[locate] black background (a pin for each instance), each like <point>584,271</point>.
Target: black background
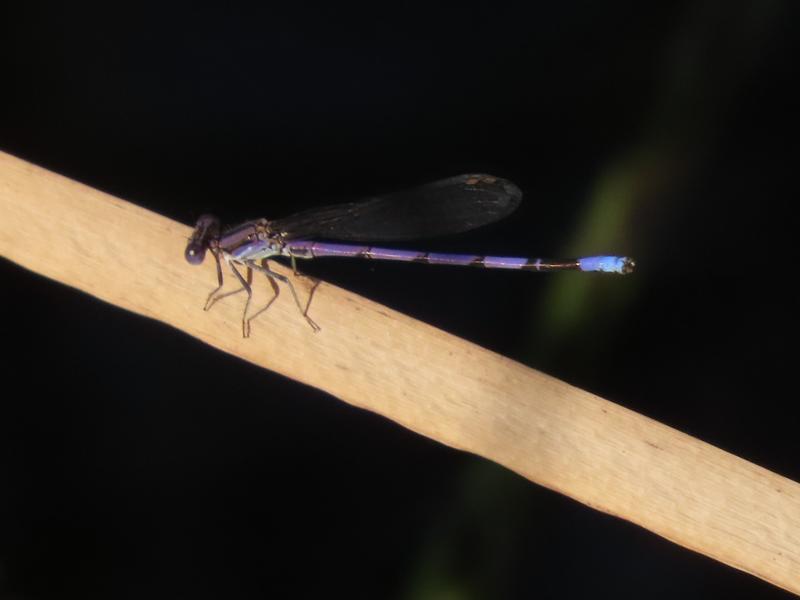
<point>137,463</point>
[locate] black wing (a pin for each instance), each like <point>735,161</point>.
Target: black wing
<point>447,206</point>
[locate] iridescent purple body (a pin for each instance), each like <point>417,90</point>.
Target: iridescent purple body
<point>447,206</point>
<point>267,248</point>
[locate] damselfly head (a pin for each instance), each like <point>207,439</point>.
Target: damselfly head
<point>205,231</point>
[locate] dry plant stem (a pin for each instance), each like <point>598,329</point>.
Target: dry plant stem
<point>556,435</point>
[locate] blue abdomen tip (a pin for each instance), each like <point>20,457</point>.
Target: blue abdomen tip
<point>607,264</point>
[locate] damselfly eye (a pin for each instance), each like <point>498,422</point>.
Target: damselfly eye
<point>205,232</point>
<point>195,253</point>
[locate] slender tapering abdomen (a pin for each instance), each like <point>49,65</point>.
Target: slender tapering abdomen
<point>311,249</point>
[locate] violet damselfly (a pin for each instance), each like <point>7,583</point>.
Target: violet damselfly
<point>448,206</point>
